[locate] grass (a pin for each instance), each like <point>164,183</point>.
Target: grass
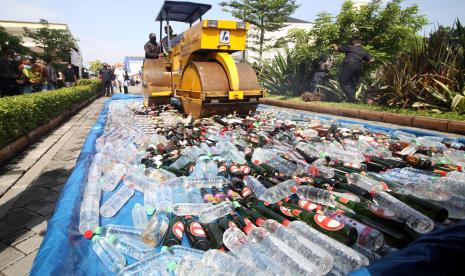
<point>445,115</point>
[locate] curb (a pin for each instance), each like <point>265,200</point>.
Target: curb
<point>12,149</point>
<point>443,125</point>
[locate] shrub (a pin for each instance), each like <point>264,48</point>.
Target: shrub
<point>21,114</point>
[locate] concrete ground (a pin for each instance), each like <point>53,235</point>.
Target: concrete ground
<point>31,184</point>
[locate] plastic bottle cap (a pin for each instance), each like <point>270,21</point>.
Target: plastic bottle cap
<point>112,239</point>
<point>236,204</point>
<point>168,209</point>
<point>294,189</point>
<point>164,248</point>
<point>150,211</point>
<point>96,238</point>
<point>88,234</point>
<point>171,266</point>
<point>98,230</point>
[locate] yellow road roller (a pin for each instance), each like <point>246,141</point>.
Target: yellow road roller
<point>199,68</point>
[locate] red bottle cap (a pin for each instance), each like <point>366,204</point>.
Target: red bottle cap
<point>88,234</point>
<point>294,189</point>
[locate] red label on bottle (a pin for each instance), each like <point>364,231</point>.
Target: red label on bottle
<point>285,211</point>
<point>197,230</point>
<point>302,179</point>
<point>245,169</point>
<point>248,221</point>
<point>178,229</point>
<point>343,200</point>
<point>222,169</point>
<point>308,205</point>
<point>246,192</point>
<point>328,223</point>
<point>232,224</point>
<point>234,169</point>
<point>381,212</point>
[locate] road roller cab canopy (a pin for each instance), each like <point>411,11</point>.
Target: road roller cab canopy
<point>182,11</point>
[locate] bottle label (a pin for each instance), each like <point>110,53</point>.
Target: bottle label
<point>232,224</point>
<point>302,179</point>
<point>247,151</point>
<point>222,169</point>
<point>245,169</point>
<point>246,192</point>
<point>178,229</point>
<point>328,223</point>
<point>343,200</point>
<point>309,206</point>
<point>197,230</point>
<point>381,212</point>
<point>248,222</point>
<point>285,211</point>
<point>234,169</point>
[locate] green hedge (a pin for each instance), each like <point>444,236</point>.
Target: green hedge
<point>23,113</point>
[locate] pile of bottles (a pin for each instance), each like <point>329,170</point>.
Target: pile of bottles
<point>271,193</point>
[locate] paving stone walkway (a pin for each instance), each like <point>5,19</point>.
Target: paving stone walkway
<point>30,186</point>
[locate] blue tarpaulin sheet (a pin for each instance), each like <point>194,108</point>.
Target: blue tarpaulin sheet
<point>64,250</point>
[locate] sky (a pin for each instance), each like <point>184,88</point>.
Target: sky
<point>109,30</point>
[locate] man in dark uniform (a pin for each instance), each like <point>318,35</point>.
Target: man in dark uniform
<point>352,67</point>
<point>105,75</point>
<point>8,74</point>
<point>152,49</point>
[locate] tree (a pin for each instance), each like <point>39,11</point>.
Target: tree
<point>95,66</point>
<point>265,15</point>
<point>9,41</point>
<point>56,43</point>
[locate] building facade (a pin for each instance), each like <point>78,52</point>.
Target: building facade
<point>17,28</point>
<point>133,64</point>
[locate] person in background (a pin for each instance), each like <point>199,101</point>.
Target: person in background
<point>113,79</point>
<point>126,81</point>
<point>52,75</point>
<point>8,74</point>
<point>165,41</point>
<point>33,76</point>
<point>151,48</point>
<point>119,75</point>
<point>69,76</point>
<point>105,77</point>
<point>352,67</point>
<point>321,67</point>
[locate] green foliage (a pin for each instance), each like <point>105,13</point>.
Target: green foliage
<point>56,43</point>
<point>430,76</point>
<point>23,113</point>
<point>95,66</point>
<point>265,15</point>
<point>9,41</point>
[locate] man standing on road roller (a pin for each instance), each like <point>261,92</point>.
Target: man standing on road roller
<point>352,67</point>
<point>164,42</point>
<point>152,49</point>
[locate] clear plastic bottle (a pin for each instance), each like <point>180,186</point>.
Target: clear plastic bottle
<point>179,193</point>
<point>317,168</point>
<point>250,252</point>
<point>163,197</point>
<point>193,195</point>
<point>229,264</point>
<point>192,209</point>
<point>153,265</point>
<point>192,266</point>
<point>133,248</point>
<point>255,186</point>
<point>188,155</point>
<point>156,228</point>
<point>139,216</point>
<point>345,258</point>
<point>430,141</point>
<point>279,191</point>
<point>182,251</point>
<point>414,219</point>
<point>206,182</point>
<point>365,183</point>
<point>283,254</point>
<point>117,201</point>
<point>111,179</point>
<point>119,231</point>
<point>315,195</point>
<point>141,183</point>
<point>214,212</point>
<point>319,256</point>
<point>150,201</point>
<point>107,253</point>
<point>89,214</point>
<point>160,175</point>
<point>455,175</point>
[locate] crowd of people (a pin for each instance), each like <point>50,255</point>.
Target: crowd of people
<point>24,75</point>
<point>113,79</point>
